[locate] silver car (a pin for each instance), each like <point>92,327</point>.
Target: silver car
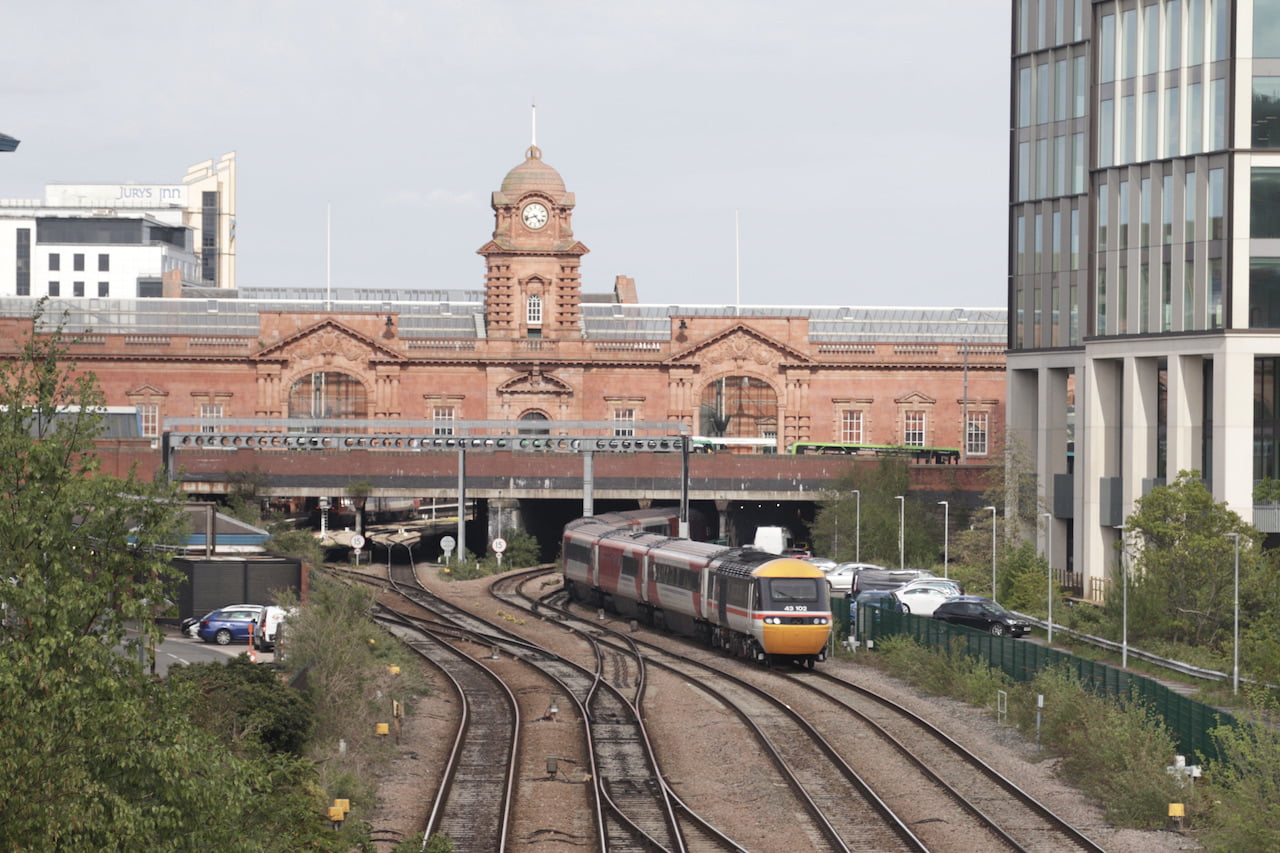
<point>840,578</point>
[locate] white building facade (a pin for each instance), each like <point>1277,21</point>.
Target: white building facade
<point>1144,254</point>
<point>122,240</point>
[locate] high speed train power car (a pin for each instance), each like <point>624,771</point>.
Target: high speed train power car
<point>751,603</point>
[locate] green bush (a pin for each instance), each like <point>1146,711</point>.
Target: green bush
<point>953,674</point>
<point>1115,751</point>
<point>245,705</point>
<point>1243,784</point>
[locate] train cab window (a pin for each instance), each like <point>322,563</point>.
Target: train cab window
<point>782,591</point>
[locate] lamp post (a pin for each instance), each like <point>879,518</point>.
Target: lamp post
<point>1124,601</point>
<point>946,535</point>
<point>857,525</point>
<point>902,515</point>
<point>993,551</point>
<point>1235,630</point>
<point>1048,558</point>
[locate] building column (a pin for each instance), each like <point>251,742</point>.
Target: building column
<point>1186,405</point>
<point>1233,429</point>
<point>1139,421</point>
<point>1098,448</point>
<point>1051,451</point>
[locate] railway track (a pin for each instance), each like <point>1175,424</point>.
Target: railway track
<point>473,804</point>
<point>985,808</point>
<point>634,808</point>
<point>1025,822</point>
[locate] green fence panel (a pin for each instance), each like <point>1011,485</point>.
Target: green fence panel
<point>1189,721</point>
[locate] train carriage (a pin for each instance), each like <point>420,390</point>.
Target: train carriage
<point>751,603</point>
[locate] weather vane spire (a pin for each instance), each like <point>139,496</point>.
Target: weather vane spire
<point>533,117</point>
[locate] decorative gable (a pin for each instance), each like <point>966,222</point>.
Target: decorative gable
<point>740,346</point>
<point>328,343</point>
<point>534,381</point>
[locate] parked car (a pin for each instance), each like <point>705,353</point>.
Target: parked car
<point>824,563</point>
<point>921,600</point>
<point>840,578</point>
<point>228,625</point>
<point>879,598</point>
<point>878,577</point>
<point>922,596</point>
<point>191,625</point>
<point>974,611</point>
<point>267,627</point>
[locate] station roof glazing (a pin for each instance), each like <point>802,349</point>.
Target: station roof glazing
<point>459,314</point>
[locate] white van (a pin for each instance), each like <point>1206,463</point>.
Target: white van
<point>267,627</point>
<point>775,540</point>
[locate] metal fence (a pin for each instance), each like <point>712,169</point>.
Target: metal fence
<point>1188,721</point>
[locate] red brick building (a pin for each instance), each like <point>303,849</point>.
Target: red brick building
<point>533,345</point>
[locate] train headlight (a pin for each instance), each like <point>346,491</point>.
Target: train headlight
<point>772,620</point>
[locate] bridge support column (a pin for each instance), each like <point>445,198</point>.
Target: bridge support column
<point>504,517</point>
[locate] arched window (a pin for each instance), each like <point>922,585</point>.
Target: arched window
<point>738,407</point>
<point>328,395</point>
<point>537,424</point>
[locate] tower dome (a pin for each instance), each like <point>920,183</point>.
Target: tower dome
<point>532,174</point>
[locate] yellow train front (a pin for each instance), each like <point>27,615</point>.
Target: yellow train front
<point>770,608</point>
<point>750,603</point>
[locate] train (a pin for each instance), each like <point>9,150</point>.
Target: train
<point>768,608</point>
<point>931,455</point>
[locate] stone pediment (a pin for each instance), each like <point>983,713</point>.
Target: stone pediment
<point>146,389</point>
<point>915,398</point>
<point>328,342</point>
<point>535,382</point>
<point>740,345</point>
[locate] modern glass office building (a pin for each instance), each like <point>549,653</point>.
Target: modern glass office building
<point>1144,258</point>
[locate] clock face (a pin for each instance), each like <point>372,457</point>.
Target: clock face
<point>534,215</point>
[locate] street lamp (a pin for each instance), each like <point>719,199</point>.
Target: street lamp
<point>946,535</point>
<point>857,525</point>
<point>993,551</point>
<point>902,553</point>
<point>1048,558</point>
<point>1235,630</point>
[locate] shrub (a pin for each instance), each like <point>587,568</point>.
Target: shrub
<point>1244,785</point>
<point>1115,751</point>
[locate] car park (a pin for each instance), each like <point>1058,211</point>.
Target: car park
<point>228,625</point>
<point>983,614</point>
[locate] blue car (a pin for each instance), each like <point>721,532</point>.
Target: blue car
<point>230,625</point>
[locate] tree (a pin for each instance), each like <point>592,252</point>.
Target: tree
<point>1182,564</point>
<point>94,754</point>
<point>834,528</point>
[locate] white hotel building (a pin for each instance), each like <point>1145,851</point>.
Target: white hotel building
<point>122,240</point>
<point>1144,290</point>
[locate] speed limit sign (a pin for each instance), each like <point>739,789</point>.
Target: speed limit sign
<point>499,545</point>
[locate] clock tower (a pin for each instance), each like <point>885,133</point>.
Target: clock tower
<point>532,285</point>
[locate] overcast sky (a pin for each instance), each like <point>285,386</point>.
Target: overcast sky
<point>863,145</point>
